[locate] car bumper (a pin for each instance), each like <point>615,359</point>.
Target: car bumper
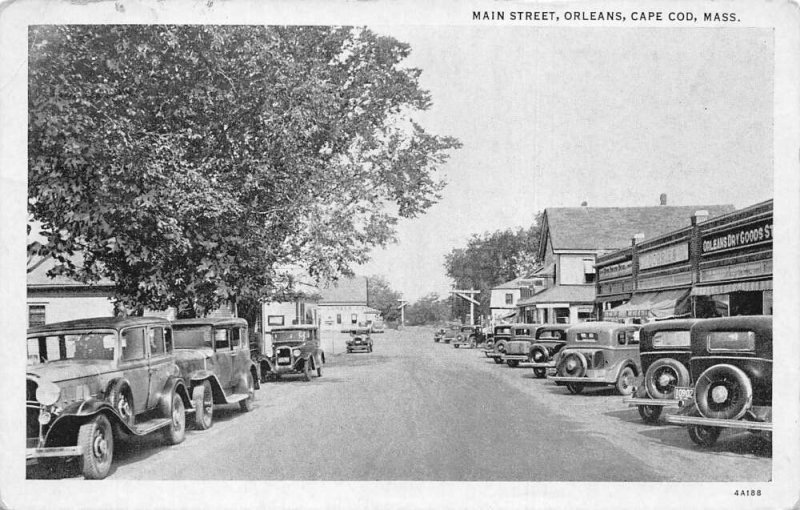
<point>515,357</point>
<point>492,354</point>
<point>546,364</point>
<point>359,347</point>
<point>589,379</point>
<point>58,451</point>
<point>662,402</point>
<point>676,419</point>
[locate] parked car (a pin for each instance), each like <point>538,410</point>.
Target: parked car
<point>295,350</point>
<point>91,382</point>
<point>451,333</point>
<point>598,354</point>
<point>664,350</point>
<point>360,340</point>
<point>502,335</point>
<point>543,352</point>
<point>517,348</point>
<point>213,355</point>
<point>467,336</point>
<point>439,335</point>
<point>731,367</point>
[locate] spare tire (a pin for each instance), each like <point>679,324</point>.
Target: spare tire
<point>723,392</point>
<point>663,376</point>
<point>538,354</point>
<point>572,364</point>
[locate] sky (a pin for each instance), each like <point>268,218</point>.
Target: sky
<point>552,117</point>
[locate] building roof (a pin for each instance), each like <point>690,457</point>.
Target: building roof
<point>516,283</point>
<point>611,228</point>
<point>562,294</point>
<point>352,291</point>
<point>38,277</point>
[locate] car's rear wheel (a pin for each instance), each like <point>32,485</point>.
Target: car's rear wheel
<point>625,381</point>
<point>203,402</point>
<point>176,412</point>
<point>572,364</point>
<point>246,405</point>
<point>575,388</point>
<point>704,436</point>
<point>650,414</point>
<point>97,441</point>
<point>540,373</point>
<point>663,376</point>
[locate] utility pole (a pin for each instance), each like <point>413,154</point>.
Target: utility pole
<point>469,296</point>
<point>402,308</point>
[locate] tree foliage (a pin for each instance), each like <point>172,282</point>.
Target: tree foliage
<point>381,296</point>
<point>490,259</point>
<point>190,163</point>
<point>429,309</point>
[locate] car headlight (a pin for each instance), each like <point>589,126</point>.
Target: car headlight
<point>296,352</point>
<point>47,393</point>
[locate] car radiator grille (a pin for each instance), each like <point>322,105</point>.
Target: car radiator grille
<point>285,352</point>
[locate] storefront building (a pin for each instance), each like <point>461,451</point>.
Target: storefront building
<point>716,267</point>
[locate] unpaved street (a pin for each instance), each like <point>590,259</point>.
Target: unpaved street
<point>416,410</point>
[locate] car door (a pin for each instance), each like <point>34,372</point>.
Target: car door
<point>222,357</point>
<point>134,365</point>
<point>240,353</point>
<point>160,362</point>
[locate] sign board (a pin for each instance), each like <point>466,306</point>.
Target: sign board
<point>672,280</point>
<point>738,237</point>
<point>734,271</point>
<point>664,256</point>
<point>614,270</point>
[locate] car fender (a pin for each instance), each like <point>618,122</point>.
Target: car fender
<point>218,393</point>
<point>63,430</point>
<point>174,384</point>
<point>627,362</point>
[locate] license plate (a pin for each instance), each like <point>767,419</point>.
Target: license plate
<point>284,360</point>
<point>684,393</point>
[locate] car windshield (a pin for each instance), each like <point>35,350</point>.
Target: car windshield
<point>551,335</point>
<point>297,335</point>
<point>666,339</point>
<point>191,337</point>
<point>522,332</point>
<point>88,345</point>
<point>502,331</point>
<point>585,337</point>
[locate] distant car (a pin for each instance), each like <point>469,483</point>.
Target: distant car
<point>467,336</point>
<point>731,367</point>
<point>543,352</point>
<point>214,357</point>
<point>503,333</point>
<point>92,382</point>
<point>518,348</point>
<point>295,350</point>
<point>439,335</point>
<point>664,350</point>
<point>451,333</point>
<point>359,341</point>
<point>599,354</point>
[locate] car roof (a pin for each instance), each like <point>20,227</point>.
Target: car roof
<point>210,321</point>
<point>672,324</point>
<point>293,327</point>
<point>99,323</point>
<point>600,326</point>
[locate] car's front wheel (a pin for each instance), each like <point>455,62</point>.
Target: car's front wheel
<point>203,402</point>
<point>176,412</point>
<point>625,381</point>
<point>246,405</point>
<point>97,442</point>
<point>540,373</point>
<point>499,361</point>
<point>575,388</point>
<point>512,363</point>
<point>650,414</point>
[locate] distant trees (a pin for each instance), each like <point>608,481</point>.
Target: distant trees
<point>430,309</point>
<point>490,259</point>
<point>188,163</point>
<point>381,296</point>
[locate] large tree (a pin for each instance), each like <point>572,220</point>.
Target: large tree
<point>381,296</point>
<point>190,163</point>
<point>429,309</point>
<point>490,259</point>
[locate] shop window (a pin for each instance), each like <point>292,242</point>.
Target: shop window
<point>561,315</point>
<point>354,318</point>
<point>338,318</point>
<point>36,315</point>
<point>767,302</point>
<point>509,298</point>
<point>746,303</point>
<point>275,320</point>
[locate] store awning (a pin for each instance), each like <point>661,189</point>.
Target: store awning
<point>614,297</point>
<point>508,315</point>
<point>732,287</point>
<point>666,303</point>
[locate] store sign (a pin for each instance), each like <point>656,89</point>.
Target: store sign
<point>659,282</point>
<point>741,236</point>
<point>621,269</point>
<point>757,268</point>
<point>664,256</point>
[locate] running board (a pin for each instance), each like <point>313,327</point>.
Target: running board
<point>663,402</point>
<point>236,397</point>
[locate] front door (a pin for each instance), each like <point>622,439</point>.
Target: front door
<point>222,357</point>
<point>134,365</point>
<point>160,363</point>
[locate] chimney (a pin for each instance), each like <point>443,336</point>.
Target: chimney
<point>663,199</point>
<point>699,216</point>
<point>638,238</point>
<point>584,203</point>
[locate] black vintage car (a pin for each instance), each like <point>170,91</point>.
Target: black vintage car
<point>517,348</point>
<point>731,367</point>
<point>664,351</point>
<point>550,339</point>
<point>359,341</point>
<point>295,350</point>
<point>502,335</point>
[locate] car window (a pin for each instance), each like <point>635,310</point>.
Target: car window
<point>221,339</point>
<point>502,331</point>
<point>192,338</point>
<point>665,339</point>
<point>235,337</point>
<point>168,339</point>
<point>552,335</point>
<point>731,341</point>
<point>522,332</point>
<point>133,344</point>
<point>586,337</point>
<point>156,336</point>
<point>94,345</point>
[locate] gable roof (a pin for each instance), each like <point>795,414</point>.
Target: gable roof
<point>38,277</point>
<point>611,228</point>
<point>345,291</point>
<point>562,294</point>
